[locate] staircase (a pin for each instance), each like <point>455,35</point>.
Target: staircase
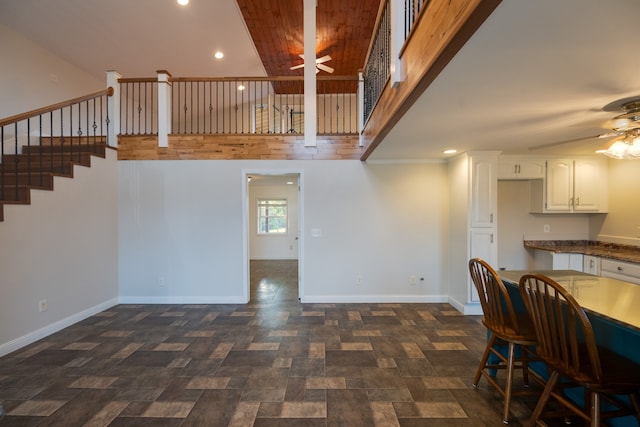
<point>36,166</point>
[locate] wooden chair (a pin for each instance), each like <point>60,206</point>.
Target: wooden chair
<point>507,328</point>
<point>566,343</point>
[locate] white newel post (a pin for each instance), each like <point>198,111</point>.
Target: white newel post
<point>397,39</point>
<point>113,108</point>
<point>360,108</point>
<point>310,102</point>
<point>164,108</point>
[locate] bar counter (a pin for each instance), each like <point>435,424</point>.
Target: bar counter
<point>603,297</point>
<point>613,307</point>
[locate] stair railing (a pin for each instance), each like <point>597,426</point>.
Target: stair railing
<point>60,128</point>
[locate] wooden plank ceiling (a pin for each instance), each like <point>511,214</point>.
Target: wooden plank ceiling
<point>344,28</point>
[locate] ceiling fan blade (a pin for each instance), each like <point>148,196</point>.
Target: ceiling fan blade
<point>323,59</point>
<point>566,141</point>
<point>295,67</point>
<point>325,68</point>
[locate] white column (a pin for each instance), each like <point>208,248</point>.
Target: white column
<point>164,108</point>
<point>360,107</point>
<point>397,40</point>
<point>113,108</point>
<point>310,102</point>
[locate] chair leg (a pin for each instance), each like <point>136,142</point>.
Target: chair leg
<point>509,382</point>
<point>483,361</point>
<point>595,409</point>
<point>636,404</point>
<point>525,365</point>
<point>544,398</point>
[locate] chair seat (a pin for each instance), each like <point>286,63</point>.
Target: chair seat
<point>525,335</point>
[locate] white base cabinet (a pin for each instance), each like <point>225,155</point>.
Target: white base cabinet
<point>591,265</point>
<point>547,260</point>
<point>620,270</point>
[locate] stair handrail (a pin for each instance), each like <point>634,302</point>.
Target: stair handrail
<point>43,110</point>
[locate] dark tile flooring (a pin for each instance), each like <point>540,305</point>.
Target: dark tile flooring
<point>272,362</point>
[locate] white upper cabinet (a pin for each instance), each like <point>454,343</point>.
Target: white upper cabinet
<point>520,167</point>
<point>484,191</point>
<point>571,186</point>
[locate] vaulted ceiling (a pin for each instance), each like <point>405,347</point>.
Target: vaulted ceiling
<point>535,75</point>
<point>343,31</point>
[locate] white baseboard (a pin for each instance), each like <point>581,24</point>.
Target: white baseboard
<point>181,300</point>
<point>372,299</point>
<point>468,309</point>
<point>34,336</point>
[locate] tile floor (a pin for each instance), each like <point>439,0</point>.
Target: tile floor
<point>272,362</point>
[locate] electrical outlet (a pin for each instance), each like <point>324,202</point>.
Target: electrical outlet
<point>413,280</point>
<point>161,282</point>
<point>547,228</point>
<point>358,280</point>
<point>42,305</point>
<point>638,231</point>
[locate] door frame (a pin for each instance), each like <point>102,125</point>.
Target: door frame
<point>246,293</point>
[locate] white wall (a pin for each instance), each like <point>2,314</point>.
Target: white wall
<point>182,221</point>
<point>621,224</point>
<point>515,223</point>
<point>28,72</point>
<point>62,248</point>
<point>264,246</point>
<point>458,169</point>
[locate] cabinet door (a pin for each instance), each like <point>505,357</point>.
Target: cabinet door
<point>559,185</point>
<point>591,265</point>
<point>531,169</point>
<point>568,261</point>
<point>586,185</point>
<point>507,169</point>
<point>482,245</point>
<point>484,188</point>
<point>520,168</point>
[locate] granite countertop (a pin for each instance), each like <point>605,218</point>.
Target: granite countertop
<point>614,251</point>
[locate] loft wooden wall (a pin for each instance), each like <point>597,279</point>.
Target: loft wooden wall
<point>238,147</point>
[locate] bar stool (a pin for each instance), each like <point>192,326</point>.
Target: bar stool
<point>507,328</point>
<point>566,343</point>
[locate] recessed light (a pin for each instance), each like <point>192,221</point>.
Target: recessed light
<point>183,2</point>
<point>240,87</point>
<point>218,55</point>
<point>450,151</point>
<point>289,182</point>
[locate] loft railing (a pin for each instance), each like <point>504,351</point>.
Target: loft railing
<point>60,128</point>
<point>412,10</point>
<point>394,25</point>
<point>257,105</point>
<point>378,65</point>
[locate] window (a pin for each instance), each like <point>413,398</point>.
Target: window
<point>272,216</point>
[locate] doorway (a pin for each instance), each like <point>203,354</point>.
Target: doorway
<point>272,224</point>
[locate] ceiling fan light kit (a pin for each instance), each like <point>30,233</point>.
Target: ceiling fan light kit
<point>626,148</point>
<point>628,125</point>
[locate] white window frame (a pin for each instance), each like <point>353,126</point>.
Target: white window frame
<point>261,203</point>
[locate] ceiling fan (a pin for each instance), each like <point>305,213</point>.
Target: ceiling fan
<point>625,128</point>
<point>319,64</point>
